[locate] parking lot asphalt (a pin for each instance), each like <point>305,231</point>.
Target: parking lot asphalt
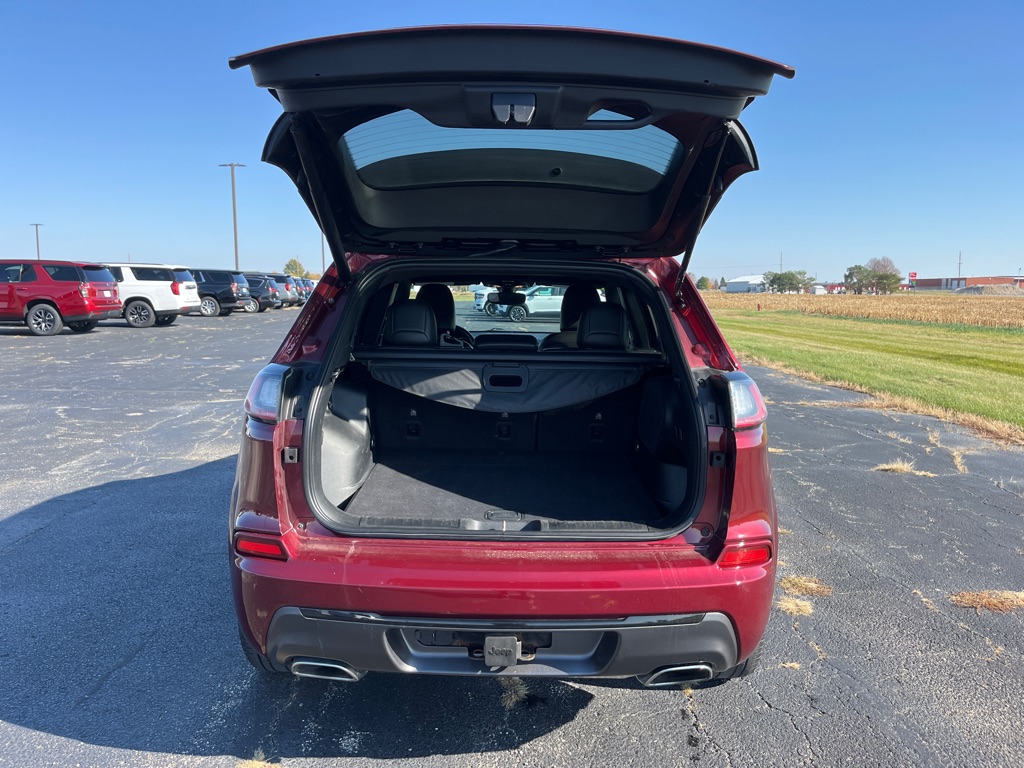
<point>117,633</point>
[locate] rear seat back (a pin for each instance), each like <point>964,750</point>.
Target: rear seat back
<point>410,324</point>
<point>603,326</point>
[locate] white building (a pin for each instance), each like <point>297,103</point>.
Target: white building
<point>745,284</point>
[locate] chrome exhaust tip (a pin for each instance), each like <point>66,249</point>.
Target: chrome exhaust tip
<point>669,676</point>
<point>322,669</point>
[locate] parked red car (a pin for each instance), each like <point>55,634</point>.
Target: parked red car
<point>48,295</point>
<point>591,501</point>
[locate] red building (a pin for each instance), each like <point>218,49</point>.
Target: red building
<point>953,283</point>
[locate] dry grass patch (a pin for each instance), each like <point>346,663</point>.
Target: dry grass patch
<point>898,438</point>
<point>790,665</point>
<point>927,601</point>
<point>259,760</point>
<point>997,601</point>
<point>958,460</point>
<point>902,467</point>
<point>808,586</point>
<point>795,606</point>
<point>784,531</point>
<point>998,431</point>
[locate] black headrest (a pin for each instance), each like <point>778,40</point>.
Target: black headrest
<point>410,324</point>
<point>574,301</point>
<point>603,327</point>
<point>440,299</point>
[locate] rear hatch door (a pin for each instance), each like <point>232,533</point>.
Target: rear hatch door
<point>101,287</point>
<point>532,140</point>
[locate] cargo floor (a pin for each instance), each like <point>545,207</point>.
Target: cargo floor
<point>450,487</point>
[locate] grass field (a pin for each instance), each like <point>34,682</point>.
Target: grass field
<point>964,372</point>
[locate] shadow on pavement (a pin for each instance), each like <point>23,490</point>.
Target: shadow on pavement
<point>117,630</point>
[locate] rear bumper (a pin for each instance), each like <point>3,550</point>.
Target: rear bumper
<point>100,314</point>
<point>551,648</point>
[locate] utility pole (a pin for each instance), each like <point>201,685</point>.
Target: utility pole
<point>234,204</point>
<point>37,226</point>
<point>960,264</point>
<point>780,262</point>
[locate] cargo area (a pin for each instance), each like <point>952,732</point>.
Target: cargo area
<point>393,459</point>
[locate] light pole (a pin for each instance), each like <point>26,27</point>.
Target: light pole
<point>234,204</point>
<point>37,226</point>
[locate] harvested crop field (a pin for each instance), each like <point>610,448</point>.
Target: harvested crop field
<point>948,309</point>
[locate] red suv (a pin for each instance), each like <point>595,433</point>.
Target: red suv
<point>590,498</point>
<point>48,295</point>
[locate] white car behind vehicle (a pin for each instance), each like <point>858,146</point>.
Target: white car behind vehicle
<point>154,294</point>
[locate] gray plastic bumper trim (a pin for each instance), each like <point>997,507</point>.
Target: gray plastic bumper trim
<point>578,648</point>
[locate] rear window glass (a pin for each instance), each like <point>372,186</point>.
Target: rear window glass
<point>406,133</point>
<point>68,274</point>
<point>183,276</point>
<point>153,274</point>
<point>239,279</point>
<point>97,275</point>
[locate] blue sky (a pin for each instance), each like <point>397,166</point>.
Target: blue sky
<point>901,136</point>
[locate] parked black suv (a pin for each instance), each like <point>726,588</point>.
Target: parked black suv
<point>264,293</point>
<point>289,291</point>
<point>220,291</point>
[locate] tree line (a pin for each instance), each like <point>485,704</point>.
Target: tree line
<point>878,275</point>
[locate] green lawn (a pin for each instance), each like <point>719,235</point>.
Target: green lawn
<point>970,370</point>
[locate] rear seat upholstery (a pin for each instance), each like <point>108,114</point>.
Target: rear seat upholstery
<point>410,324</point>
<point>603,326</point>
<point>577,298</point>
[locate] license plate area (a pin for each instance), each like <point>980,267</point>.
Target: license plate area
<point>494,650</point>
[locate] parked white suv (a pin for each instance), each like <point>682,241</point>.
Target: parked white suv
<point>155,294</point>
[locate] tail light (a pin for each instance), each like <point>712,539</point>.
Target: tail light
<point>83,290</point>
<point>234,288</point>
<point>176,288</point>
<point>264,398</point>
<point>745,402</point>
<point>260,546</point>
<point>737,557</point>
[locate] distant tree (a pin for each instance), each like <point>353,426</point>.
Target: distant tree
<point>887,282</point>
<point>885,275</point>
<point>703,283</point>
<point>858,279</point>
<point>294,267</point>
<point>787,282</point>
<point>721,284</point>
<point>884,264</point>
